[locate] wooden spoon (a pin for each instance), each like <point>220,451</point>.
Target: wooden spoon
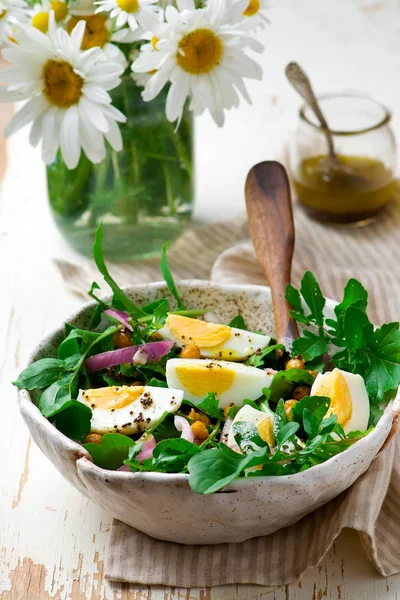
<point>269,210</point>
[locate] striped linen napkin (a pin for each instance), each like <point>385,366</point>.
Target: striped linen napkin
<point>372,505</point>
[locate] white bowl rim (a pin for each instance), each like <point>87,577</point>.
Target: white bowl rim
<point>151,476</point>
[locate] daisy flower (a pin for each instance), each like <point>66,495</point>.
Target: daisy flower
<point>254,13</point>
<point>12,12</point>
<point>203,55</point>
<point>41,13</point>
<point>69,105</point>
<point>130,12</point>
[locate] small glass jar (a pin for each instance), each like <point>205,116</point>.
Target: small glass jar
<point>363,183</point>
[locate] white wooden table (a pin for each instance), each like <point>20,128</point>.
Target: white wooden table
<point>52,540</point>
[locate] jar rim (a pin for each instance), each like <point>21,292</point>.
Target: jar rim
<point>387,115</point>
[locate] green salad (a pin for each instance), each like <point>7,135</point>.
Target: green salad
<point>171,389</point>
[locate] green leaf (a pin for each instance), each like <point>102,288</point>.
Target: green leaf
<point>286,432</point>
<point>318,405</point>
<point>210,406</point>
<point>126,302</point>
<point>358,329</point>
<point>76,340</point>
<point>313,297</point>
<point>293,297</point>
<point>74,420</point>
<point>41,374</point>
<point>284,382</point>
<point>171,456</point>
<point>310,347</point>
<point>310,423</point>
<point>259,359</point>
<point>154,382</point>
<point>169,280</point>
<point>354,295</point>
<point>112,452</point>
<point>238,322</point>
<point>55,397</point>
<point>383,373</point>
<point>213,469</point>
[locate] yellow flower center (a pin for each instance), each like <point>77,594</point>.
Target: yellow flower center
<point>199,52</point>
<point>60,10</point>
<point>129,6</point>
<point>41,21</point>
<point>96,32</point>
<point>3,13</point>
<point>253,8</point>
<point>154,41</point>
<point>62,86</point>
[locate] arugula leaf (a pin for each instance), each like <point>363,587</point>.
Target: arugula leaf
<point>284,382</point>
<point>169,456</point>
<point>112,452</point>
<point>310,423</point>
<point>154,382</point>
<point>358,328</point>
<point>126,302</point>
<point>311,292</point>
<point>311,346</point>
<point>210,406</point>
<point>258,359</point>
<point>294,299</point>
<point>213,469</point>
<point>238,322</point>
<point>383,373</point>
<point>286,432</point>
<point>169,280</point>
<point>76,340</point>
<point>40,374</point>
<point>317,405</point>
<point>354,295</point>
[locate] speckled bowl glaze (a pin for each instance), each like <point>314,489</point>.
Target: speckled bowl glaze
<point>164,506</point>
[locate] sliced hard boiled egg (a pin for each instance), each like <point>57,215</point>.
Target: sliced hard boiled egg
<point>129,409</point>
<point>263,421</point>
<point>213,341</point>
<point>230,382</point>
<point>349,398</point>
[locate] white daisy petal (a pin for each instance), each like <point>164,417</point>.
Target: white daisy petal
<point>69,137</point>
<point>26,114</point>
<point>113,136</point>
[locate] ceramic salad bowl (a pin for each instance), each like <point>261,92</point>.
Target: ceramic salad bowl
<point>163,505</point>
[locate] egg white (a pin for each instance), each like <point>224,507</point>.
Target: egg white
<point>248,414</point>
<point>239,346</point>
<point>139,415</point>
<point>248,382</point>
<point>359,400</point>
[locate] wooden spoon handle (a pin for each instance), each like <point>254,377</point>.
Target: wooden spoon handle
<point>269,211</point>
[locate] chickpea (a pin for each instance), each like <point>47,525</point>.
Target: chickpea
<point>200,431</point>
<point>289,405</point>
<point>301,391</point>
<point>123,339</point>
<point>313,373</point>
<point>295,363</point>
<point>94,438</point>
<point>195,416</point>
<point>190,351</point>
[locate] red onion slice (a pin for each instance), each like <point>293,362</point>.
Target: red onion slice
<point>120,316</point>
<point>124,468</point>
<point>147,449</point>
<point>182,425</point>
<point>154,351</point>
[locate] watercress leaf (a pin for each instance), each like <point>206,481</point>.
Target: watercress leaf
<point>154,382</point>
<point>286,432</point>
<point>213,469</point>
<point>238,322</point>
<point>338,429</point>
<point>247,437</point>
<point>284,382</point>
<point>328,425</point>
<point>318,405</point>
<point>310,347</point>
<point>259,358</point>
<point>74,420</point>
<point>313,444</point>
<point>123,299</point>
<point>313,297</point>
<point>112,452</point>
<point>159,317</point>
<point>41,374</point>
<point>169,280</point>
<point>172,455</point>
<point>280,414</point>
<point>210,406</point>
<point>167,429</point>
<point>293,297</point>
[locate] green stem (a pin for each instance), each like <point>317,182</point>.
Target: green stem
<point>212,435</point>
<point>181,148</point>
<point>115,164</point>
<point>168,189</point>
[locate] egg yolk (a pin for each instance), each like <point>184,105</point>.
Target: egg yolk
<point>201,380</point>
<point>334,386</point>
<point>204,335</point>
<point>265,431</point>
<point>112,398</point>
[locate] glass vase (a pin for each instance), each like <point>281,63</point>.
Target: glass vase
<point>143,195</point>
